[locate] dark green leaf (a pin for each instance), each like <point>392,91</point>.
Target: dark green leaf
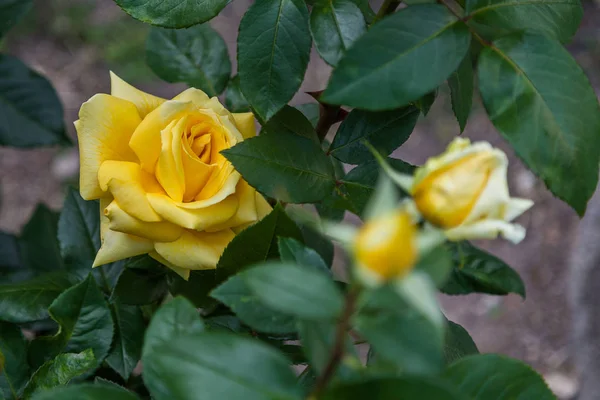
<point>218,366</point>
<point>59,371</point>
<point>257,242</point>
<point>173,320</point>
<point>141,286</point>
<point>546,110</point>
<point>38,243</point>
<point>14,370</point>
<point>10,257</point>
<point>12,11</point>
<point>476,271</point>
<point>495,377</point>
<point>197,288</point>
<point>226,323</point>
<point>559,19</point>
<point>293,251</point>
<point>458,343</point>
<point>461,91</point>
<point>298,170</point>
<point>236,295</point>
<point>29,301</point>
<point>424,103</point>
<point>400,336</point>
<point>386,131</point>
<point>85,322</point>
<point>289,120</point>
<point>234,98</point>
<point>335,25</point>
<point>286,287</point>
<point>437,263</point>
<point>407,388</point>
<point>172,13</point>
<point>311,111</point>
<point>129,334</point>
<point>359,184</point>
<point>196,56</point>
<point>317,241</point>
<point>30,109</point>
<point>273,52</point>
<point>87,391</point>
<point>400,59</point>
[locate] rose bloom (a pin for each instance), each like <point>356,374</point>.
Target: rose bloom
<point>164,188</point>
<point>385,247</point>
<point>464,191</point>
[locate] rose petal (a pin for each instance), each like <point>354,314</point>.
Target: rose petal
<point>182,272</point>
<point>245,124</point>
<point>117,246</point>
<point>121,221</point>
<point>246,212</point>
<point>195,250</point>
<point>169,170</point>
<point>144,102</point>
<point>488,229</point>
<point>104,128</point>
<point>126,182</point>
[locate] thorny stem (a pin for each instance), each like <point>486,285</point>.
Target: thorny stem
<point>329,116</point>
<point>337,352</point>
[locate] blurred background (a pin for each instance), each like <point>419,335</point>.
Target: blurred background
<point>74,43</point>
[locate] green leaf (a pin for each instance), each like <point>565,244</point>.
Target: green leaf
<point>39,246</point>
<point>293,251</point>
<point>359,184</point>
<point>127,344</point>
<point>317,241</point>
<point>335,25</point>
<point>59,371</point>
<point>86,391</point>
<point>140,286</point>
<point>85,323</point>
<point>495,377</point>
<point>385,130</point>
<point>197,288</point>
<point>461,91</point>
<point>273,52</point>
<point>457,343</point>
<point>400,335</point>
<point>289,120</point>
<point>548,112</point>
<point>425,38</point>
<point>257,242</point>
<point>218,366</point>
<point>236,295</point>
<point>11,11</point>
<point>172,13</point>
<point>196,56</point>
<point>557,19</point>
<point>304,292</point>
<point>406,388</point>
<point>318,341</point>
<point>29,301</point>
<point>311,111</point>
<point>437,263</point>
<point>32,114</point>
<point>234,98</point>
<point>10,256</point>
<point>298,170</point>
<point>172,321</point>
<point>79,236</point>
<point>476,271</point>
<point>14,370</point>
<point>424,103</point>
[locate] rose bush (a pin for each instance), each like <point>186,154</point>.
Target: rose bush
<point>164,188</point>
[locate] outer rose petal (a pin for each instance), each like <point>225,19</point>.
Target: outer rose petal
<point>196,96</point>
<point>117,246</point>
<point>145,141</point>
<point>195,250</point>
<point>199,218</point>
<point>104,221</point>
<point>182,272</point>
<point>105,126</point>
<point>488,229</point>
<point>246,212</point>
<point>125,181</point>
<point>120,221</point>
<point>144,102</point>
<point>262,207</point>
<point>245,124</point>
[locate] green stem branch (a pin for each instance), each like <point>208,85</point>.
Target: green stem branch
<point>387,7</point>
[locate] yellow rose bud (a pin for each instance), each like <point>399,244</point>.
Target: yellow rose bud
<point>464,191</point>
<point>385,247</point>
<point>164,187</point>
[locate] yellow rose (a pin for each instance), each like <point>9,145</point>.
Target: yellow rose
<point>386,247</point>
<point>464,191</point>
<point>164,187</point>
